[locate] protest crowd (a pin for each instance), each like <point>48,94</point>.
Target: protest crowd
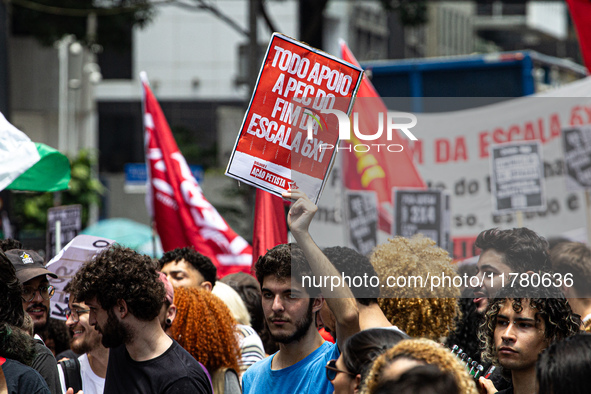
<point>215,315</point>
<point>136,325</point>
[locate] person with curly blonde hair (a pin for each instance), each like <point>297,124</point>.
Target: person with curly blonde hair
<point>404,266</point>
<point>204,326</point>
<point>411,353</point>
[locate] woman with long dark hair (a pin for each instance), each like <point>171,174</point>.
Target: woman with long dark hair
<point>349,370</point>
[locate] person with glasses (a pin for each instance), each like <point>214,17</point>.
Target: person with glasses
<point>16,345</point>
<point>88,371</point>
<point>31,272</point>
<point>348,372</point>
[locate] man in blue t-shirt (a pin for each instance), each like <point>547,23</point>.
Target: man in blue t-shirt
<point>290,309</point>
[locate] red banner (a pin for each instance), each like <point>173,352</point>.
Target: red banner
<point>580,12</point>
<point>273,151</point>
<point>379,169</point>
<point>182,215</point>
<point>270,227</point>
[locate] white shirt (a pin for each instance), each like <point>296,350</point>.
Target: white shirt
<point>91,383</point>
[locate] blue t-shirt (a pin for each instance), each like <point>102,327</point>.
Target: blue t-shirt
<point>306,376</point>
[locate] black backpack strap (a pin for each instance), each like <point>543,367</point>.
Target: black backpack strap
<point>72,376</point>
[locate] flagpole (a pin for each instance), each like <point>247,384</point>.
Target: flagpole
<point>153,238</point>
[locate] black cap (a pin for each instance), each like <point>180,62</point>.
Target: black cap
<point>27,264</point>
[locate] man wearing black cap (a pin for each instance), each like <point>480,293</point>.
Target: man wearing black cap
<point>31,272</point>
<point>14,376</point>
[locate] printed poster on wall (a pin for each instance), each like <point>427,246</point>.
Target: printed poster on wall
<point>517,177</point>
<point>576,144</point>
<point>273,150</point>
<point>362,220</point>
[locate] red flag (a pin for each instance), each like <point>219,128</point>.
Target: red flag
<point>270,228</point>
<point>580,11</point>
<point>378,169</point>
<point>182,215</point>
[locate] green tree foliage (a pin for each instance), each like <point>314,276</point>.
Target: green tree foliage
<point>50,20</point>
<point>30,209</point>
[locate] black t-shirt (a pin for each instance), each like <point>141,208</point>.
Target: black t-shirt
<point>21,379</point>
<point>45,364</point>
<point>175,371</point>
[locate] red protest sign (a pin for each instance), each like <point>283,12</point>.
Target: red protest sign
<point>283,142</point>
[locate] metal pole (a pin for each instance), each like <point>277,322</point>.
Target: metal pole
<point>4,75</point>
<point>253,58</point>
<point>63,57</point>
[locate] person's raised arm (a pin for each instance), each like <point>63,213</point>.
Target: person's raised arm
<point>340,299</point>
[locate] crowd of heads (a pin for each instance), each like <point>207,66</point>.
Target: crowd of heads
<point>516,328</point>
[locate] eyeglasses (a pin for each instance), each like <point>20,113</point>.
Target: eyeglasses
<point>46,292</point>
<point>74,314</point>
<point>332,370</point>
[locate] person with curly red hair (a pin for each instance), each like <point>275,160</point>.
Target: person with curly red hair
<point>204,326</point>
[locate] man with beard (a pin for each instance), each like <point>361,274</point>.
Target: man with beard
<point>290,308</point>
<point>31,272</point>
<point>88,370</point>
<point>15,344</point>
<point>519,324</point>
<point>124,296</point>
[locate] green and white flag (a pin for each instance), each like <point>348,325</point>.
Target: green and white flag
<point>28,165</point>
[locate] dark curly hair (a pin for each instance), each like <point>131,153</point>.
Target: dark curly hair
<point>522,249</point>
<point>204,326</point>
<point>200,262</point>
<point>120,273</point>
<point>11,307</point>
<point>551,307</point>
<point>9,244</point>
<point>466,332</point>
<point>285,261</point>
<point>351,263</point>
<point>16,344</point>
<point>56,336</point>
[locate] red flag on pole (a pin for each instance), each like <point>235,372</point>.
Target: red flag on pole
<point>270,228</point>
<point>580,12</point>
<point>379,170</point>
<point>182,215</point>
